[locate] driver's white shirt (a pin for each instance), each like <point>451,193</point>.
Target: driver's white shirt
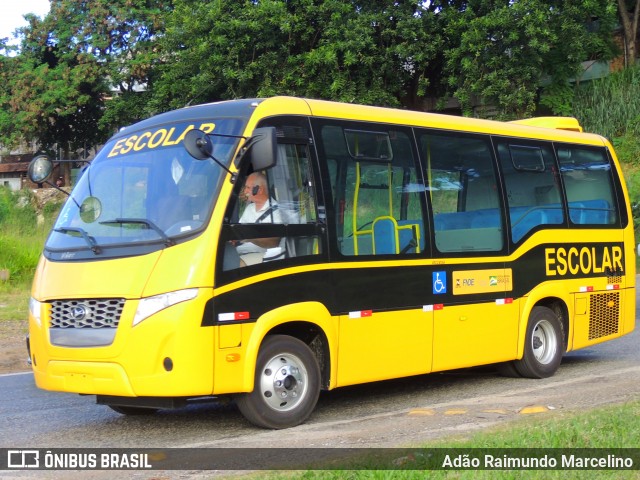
<point>251,215</point>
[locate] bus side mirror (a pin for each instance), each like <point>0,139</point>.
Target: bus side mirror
<point>263,148</point>
<point>198,144</point>
<point>40,169</point>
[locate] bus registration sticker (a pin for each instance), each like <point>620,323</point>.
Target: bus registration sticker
<point>482,281</point>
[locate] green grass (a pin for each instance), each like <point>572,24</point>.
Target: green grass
<point>611,427</point>
<point>23,229</point>
<point>14,303</point>
<point>610,106</point>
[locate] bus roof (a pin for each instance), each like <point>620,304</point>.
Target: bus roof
<point>530,128</point>
<point>555,128</point>
<point>242,109</point>
<point>560,123</point>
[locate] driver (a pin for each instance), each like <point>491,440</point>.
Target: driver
<point>261,208</point>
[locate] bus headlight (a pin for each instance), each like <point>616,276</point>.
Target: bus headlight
<point>150,305</point>
<point>35,308</point>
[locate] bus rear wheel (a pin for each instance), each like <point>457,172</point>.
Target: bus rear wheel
<point>287,384</point>
<point>544,345</point>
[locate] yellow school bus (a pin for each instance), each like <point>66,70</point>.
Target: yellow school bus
<point>268,249</point>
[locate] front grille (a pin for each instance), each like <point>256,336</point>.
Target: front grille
<point>86,313</point>
<point>604,314</point>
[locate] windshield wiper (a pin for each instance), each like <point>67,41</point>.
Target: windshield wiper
<point>95,248</point>
<point>141,221</point>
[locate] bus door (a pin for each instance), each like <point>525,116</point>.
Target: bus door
<point>475,316</point>
<point>378,220</point>
<point>273,215</point>
<point>272,223</point>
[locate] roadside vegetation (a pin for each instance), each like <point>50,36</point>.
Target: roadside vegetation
<point>23,230</point>
<point>608,428</point>
<point>611,107</point>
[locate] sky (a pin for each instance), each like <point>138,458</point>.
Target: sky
<point>12,11</point>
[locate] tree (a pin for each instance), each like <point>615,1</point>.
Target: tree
<point>372,52</point>
<point>629,18</point>
<point>56,97</point>
<point>502,49</point>
<point>70,63</point>
<point>121,35</point>
<point>90,67</point>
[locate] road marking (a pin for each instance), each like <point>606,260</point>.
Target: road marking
<point>455,411</point>
<point>426,412</point>
<point>533,409</point>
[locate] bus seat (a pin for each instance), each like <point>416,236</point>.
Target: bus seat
<point>525,219</point>
<point>590,212</point>
<point>385,236</point>
<point>411,236</point>
<point>448,221</point>
<point>489,218</point>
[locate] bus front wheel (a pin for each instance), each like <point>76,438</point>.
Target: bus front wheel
<point>287,384</point>
<point>544,345</point>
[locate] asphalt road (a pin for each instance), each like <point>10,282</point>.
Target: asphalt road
<point>400,412</point>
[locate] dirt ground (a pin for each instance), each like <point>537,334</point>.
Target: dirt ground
<point>13,350</point>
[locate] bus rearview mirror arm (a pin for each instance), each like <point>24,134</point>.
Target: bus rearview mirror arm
<point>40,169</point>
<point>199,146</point>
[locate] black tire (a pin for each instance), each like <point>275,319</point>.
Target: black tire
<point>287,384</point>
<point>133,410</point>
<point>508,369</point>
<point>544,345</point>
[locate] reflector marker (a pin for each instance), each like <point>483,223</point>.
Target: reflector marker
<point>360,313</point>
<point>586,289</point>
<point>230,316</point>
<point>431,308</point>
<point>613,287</point>
<point>504,301</point>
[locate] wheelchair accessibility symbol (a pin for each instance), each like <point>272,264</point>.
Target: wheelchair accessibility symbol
<point>439,282</point>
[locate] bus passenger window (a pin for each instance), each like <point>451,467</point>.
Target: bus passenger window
<point>586,173</point>
<point>377,194</point>
<point>462,186</point>
<point>533,187</point>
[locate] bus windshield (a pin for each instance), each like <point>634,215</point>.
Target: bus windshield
<point>143,192</point>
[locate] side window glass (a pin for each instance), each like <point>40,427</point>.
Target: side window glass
<point>377,193</point>
<point>532,185</point>
<point>461,181</point>
<point>586,173</point>
<point>276,213</point>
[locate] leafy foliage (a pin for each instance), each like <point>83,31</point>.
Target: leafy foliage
<point>506,48</point>
<point>90,67</point>
<point>611,106</point>
<point>364,52</point>
<point>70,63</point>
<point>21,236</point>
